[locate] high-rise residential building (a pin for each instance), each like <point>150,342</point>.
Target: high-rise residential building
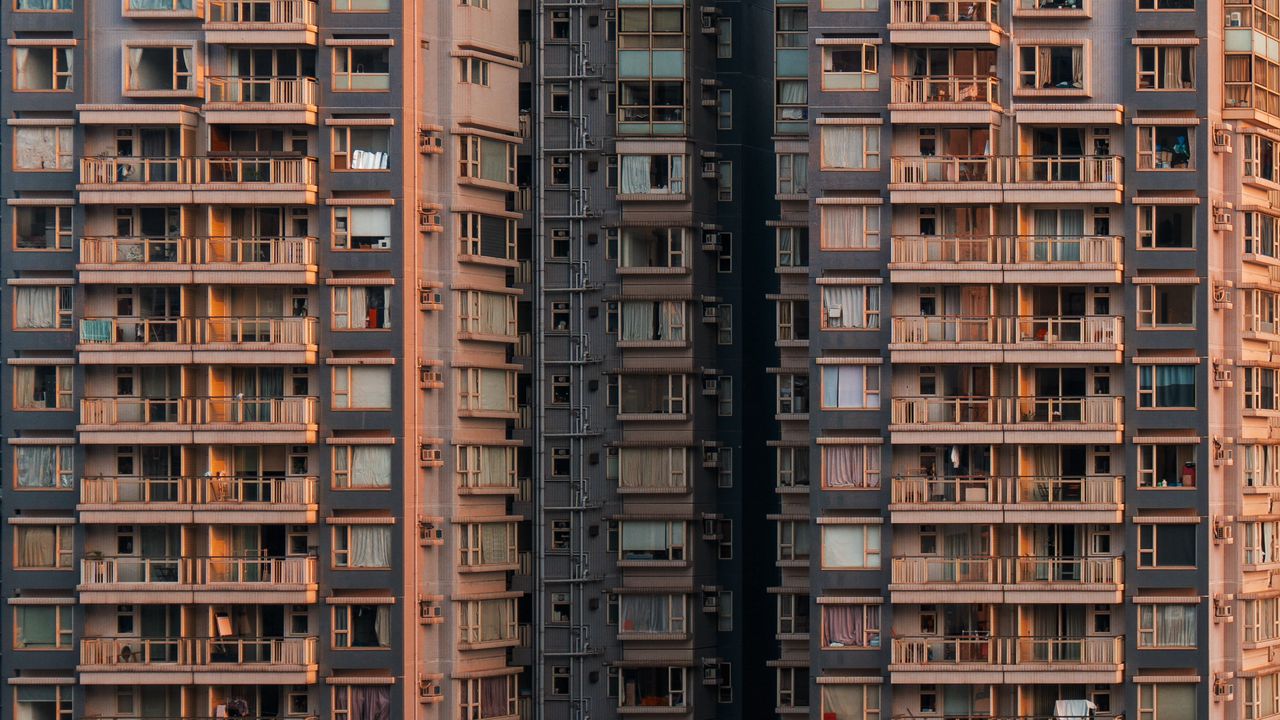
<point>581,359</point>
<point>258,337</point>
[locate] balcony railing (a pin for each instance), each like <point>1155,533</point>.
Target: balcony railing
<point>987,410</point>
<point>921,11</point>
<point>198,410</point>
<point>986,650</point>
<point>256,12</point>
<point>1016,331</point>
<point>1050,491</point>
<point>265,251</point>
<point>198,331</point>
<point>1008,250</point>
<point>142,653</point>
<point>946,89</point>
<point>254,170</point>
<point>216,489</point>
<point>1026,570</point>
<point>261,90</point>
<point>198,571</point>
<point>1001,169</point>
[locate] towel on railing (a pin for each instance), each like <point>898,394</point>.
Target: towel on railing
<point>1073,709</point>
<point>95,331</point>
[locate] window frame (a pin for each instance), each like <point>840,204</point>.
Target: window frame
<point>1151,61</point>
<point>59,55</point>
<point>63,134</point>
<point>872,545</point>
<point>1149,542</point>
<point>63,624</point>
<point>344,55</point>
<point>63,227</point>
<point>865,79</point>
<point>63,550</point>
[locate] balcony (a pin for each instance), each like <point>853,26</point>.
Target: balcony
<point>979,658</point>
<point>989,579</point>
<point>966,99</point>
<point>197,661</point>
<point>185,580</point>
<point>232,99</point>
<point>1052,9</point>
<point>936,338</point>
<point>228,180</point>
<point>1096,419</point>
<point>199,500</point>
<point>260,22</point>
<point>945,22</point>
<point>1024,499</point>
<point>1007,178</point>
<point>1008,259</point>
<point>199,420</point>
<point>197,340</point>
<point>198,260</point>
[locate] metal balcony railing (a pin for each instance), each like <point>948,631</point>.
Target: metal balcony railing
<point>198,250</point>
<point>1005,169</point>
<point>261,90</point>
<point>198,570</point>
<point>1050,491</point>
<point>1017,330</point>
<point>110,331</point>
<point>946,89</point>
<point>928,11</point>
<point>257,12</point>
<point>146,653</point>
<point>198,410</point>
<point>1017,249</point>
<point>986,410</point>
<point>979,649</point>
<point>1025,570</point>
<point>253,170</point>
<point>213,489</point>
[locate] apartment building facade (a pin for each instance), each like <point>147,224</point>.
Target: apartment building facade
<point>260,317</point>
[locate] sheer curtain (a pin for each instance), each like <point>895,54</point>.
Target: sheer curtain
<point>370,546</point>
<point>24,388</point>
<point>382,625</point>
<point>493,620</point>
<point>36,547</point>
<point>493,160</point>
<point>1172,67</point>
<point>1175,625</point>
<point>494,547</point>
<point>494,693</point>
<point>37,465</point>
<point>637,320</point>
<point>36,307</point>
<point>842,147</point>
<point>1077,67</point>
<point>644,467</point>
<point>370,702</point>
<point>845,545</point>
<point>643,613</point>
<point>843,227</point>
<point>493,314</point>
<point>842,626</point>
<point>843,466</point>
<point>371,466</point>
<point>845,702</point>
<point>633,174</point>
<point>848,301</point>
<point>494,470</point>
<point>493,390</point>
<point>370,387</point>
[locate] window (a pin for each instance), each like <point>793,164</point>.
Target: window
<point>487,390</point>
<point>42,69</point>
<point>850,702</point>
<point>792,174</point>
<point>1261,696</point>
<point>44,467</point>
<point>724,181</point>
<point>361,228</point>
<point>487,697</point>
<point>793,467</point>
<point>42,387</point>
<point>42,307</point>
<point>43,702</point>
<point>652,321</point>
<point>850,147</point>
<point>360,388</point>
<point>1166,386</point>
<point>793,687</point>
<point>1261,465</point>
<point>850,627</point>
<point>1260,388</point>
<point>42,227</point>
<point>486,466</point>
<point>560,170</point>
<point>1167,67</point>
<point>560,101</point>
<point>644,614</point>
<point>1261,619</point>
<point>846,5</point>
<point>1167,701</point>
<point>153,6</point>
<point>361,68</point>
<point>1165,546</point>
<point>358,467</point>
<point>42,547</point>
<point>850,467</point>
<point>486,313</point>
<point>1166,147</point>
<point>792,247</point>
<point>792,393</point>
<point>1167,626</point>
<point>488,544</point>
<point>46,147</point>
<point>651,687</point>
<point>44,5</point>
<point>361,148</point>
<point>560,680</point>
<point>488,236</point>
<point>473,71</point>
<point>724,38</point>
<point>488,621</point>
<point>487,159</point>
<point>850,67</point>
<point>353,702</point>
<point>361,626</point>
<point>850,307</point>
<point>651,540</point>
<point>653,394</point>
<point>1166,306</point>
<point>1166,466</point>
<point>724,252</point>
<point>651,105</point>
<point>724,109</point>
<point>1166,227</point>
<point>362,5</point>
<point>793,541</point>
<point>1261,158</point>
<point>638,469</point>
<point>651,247</point>
<point>42,627</point>
<point>793,321</point>
<point>361,307</point>
<point>651,175</point>
<point>724,324</point>
<point>1051,67</point>
<point>793,614</point>
<point>850,227</point>
<point>1166,4</point>
<point>791,109</point>
<point>160,70</point>
<point>850,547</point>
<point>850,387</point>
<point>362,546</point>
<point>1261,311</point>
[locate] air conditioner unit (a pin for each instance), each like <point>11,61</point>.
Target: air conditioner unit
<point>1221,215</point>
<point>1223,531</point>
<point>711,457</point>
<point>1223,609</point>
<point>431,610</point>
<point>1223,691</point>
<point>835,313</point>
<point>710,671</point>
<point>429,689</point>
<point>710,599</point>
<point>431,531</point>
<point>383,244</point>
<point>710,314</point>
<point>711,528</point>
<point>710,386</point>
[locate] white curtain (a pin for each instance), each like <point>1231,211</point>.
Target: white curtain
<point>382,625</point>
<point>845,386</point>
<point>849,147</point>
<point>370,546</point>
<point>36,307</point>
<point>1175,625</point>
<point>850,227</point>
<point>851,546</point>
<point>37,466</point>
<point>634,172</point>
<point>847,301</point>
<point>851,466</point>
<point>494,469</point>
<point>371,466</point>
<point>644,613</point>
<point>793,92</point>
<point>637,320</point>
<point>370,387</point>
<point>358,307</point>
<point>493,160</point>
<point>371,222</point>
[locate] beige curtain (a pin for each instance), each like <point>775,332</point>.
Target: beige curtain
<point>37,546</point>
<point>35,307</point>
<point>494,547</point>
<point>371,466</point>
<point>494,466</point>
<point>370,387</point>
<point>493,390</point>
